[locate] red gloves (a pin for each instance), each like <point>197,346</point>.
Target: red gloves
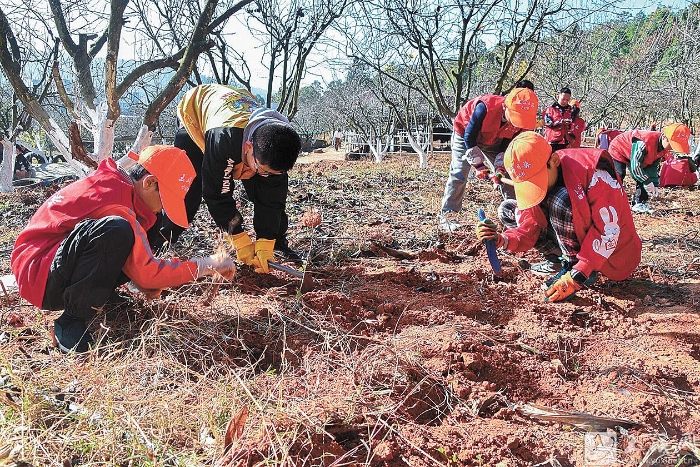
<point>498,175</point>
<point>482,172</point>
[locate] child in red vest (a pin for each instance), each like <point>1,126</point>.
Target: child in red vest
<point>482,130</point>
<point>91,236</point>
<point>642,151</point>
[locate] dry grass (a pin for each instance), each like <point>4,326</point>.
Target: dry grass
<point>167,376</point>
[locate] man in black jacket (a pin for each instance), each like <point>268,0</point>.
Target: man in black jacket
<point>228,136</point>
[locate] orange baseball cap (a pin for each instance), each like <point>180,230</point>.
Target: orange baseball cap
<point>174,172</point>
<point>678,135</point>
<point>522,106</point>
<point>526,162</point>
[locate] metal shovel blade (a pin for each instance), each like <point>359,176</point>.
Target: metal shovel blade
<point>307,282</point>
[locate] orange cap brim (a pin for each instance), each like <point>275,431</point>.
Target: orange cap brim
<point>531,192</point>
<point>174,207</point>
<point>525,120</point>
<point>682,147</point>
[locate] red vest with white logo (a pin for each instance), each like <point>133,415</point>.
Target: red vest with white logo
<point>104,192</point>
<point>602,217</point>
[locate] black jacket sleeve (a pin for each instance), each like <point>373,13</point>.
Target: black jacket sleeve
<point>222,152</point>
<point>269,195</point>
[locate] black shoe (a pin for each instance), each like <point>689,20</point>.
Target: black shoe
<point>288,254</point>
<point>116,300</point>
<point>115,304</point>
<point>72,334</point>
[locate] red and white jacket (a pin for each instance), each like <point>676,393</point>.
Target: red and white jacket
<point>601,214</point>
<point>557,121</point>
<point>105,192</point>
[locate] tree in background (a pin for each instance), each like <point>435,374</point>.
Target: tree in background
<point>91,91</point>
<point>444,43</point>
<point>292,31</point>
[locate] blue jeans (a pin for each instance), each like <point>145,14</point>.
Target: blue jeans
<point>459,171</point>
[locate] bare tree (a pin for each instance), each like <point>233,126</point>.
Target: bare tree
<point>445,41</point>
<point>197,44</point>
<point>13,63</point>
<point>293,30</point>
<point>93,98</point>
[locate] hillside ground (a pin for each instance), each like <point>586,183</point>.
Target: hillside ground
<point>407,352</point>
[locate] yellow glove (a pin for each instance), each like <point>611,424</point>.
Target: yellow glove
<point>245,250</point>
<point>264,252</point>
<point>563,288</point>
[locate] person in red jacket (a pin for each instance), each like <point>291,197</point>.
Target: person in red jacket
<point>642,151</point>
<point>569,203</point>
<point>557,121</point>
<point>91,236</point>
<point>577,127</point>
<point>482,130</point>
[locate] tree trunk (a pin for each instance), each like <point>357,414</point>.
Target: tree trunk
<point>104,133</point>
<point>143,139</point>
<point>7,170</point>
<point>78,148</point>
<point>415,144</point>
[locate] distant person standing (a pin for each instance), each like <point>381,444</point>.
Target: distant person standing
<point>337,139</point>
<point>604,137</point>
<point>557,121</point>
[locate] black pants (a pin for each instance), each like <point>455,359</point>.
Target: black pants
<point>169,230</point>
<point>640,195</point>
<point>88,266</point>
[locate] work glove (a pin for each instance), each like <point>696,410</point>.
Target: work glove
<point>245,250</point>
<point>220,263</point>
<point>486,231</point>
<point>482,172</point>
<point>565,286</point>
<point>264,252</point>
<point>498,175</point>
<point>652,190</point>
<point>474,156</point>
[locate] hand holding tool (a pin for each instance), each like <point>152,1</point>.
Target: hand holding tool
<point>490,244</point>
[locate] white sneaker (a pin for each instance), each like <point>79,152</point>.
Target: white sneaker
<point>447,222</point>
<point>642,208</point>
